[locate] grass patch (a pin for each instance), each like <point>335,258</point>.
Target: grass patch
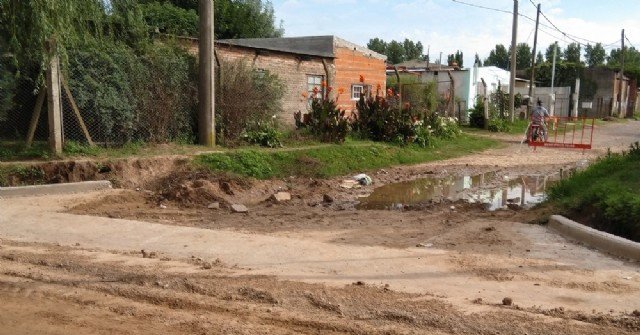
<point>335,160</point>
<point>15,151</point>
<point>606,195</point>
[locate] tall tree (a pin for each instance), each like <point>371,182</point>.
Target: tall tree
<point>523,56</point>
<point>245,19</point>
<point>170,19</point>
<point>459,58</point>
<point>412,50</point>
<point>595,55</point>
<point>572,53</point>
<point>539,58</point>
<point>477,60</point>
<point>549,53</point>
<point>498,57</point>
<point>377,45</point>
<point>395,52</point>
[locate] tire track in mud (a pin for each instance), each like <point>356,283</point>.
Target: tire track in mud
<point>204,301</point>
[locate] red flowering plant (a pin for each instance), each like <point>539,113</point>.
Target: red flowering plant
<point>383,118</point>
<point>326,121</point>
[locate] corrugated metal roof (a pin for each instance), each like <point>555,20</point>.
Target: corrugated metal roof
<point>309,45</point>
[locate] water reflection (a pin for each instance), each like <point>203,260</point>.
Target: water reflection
<point>522,190</point>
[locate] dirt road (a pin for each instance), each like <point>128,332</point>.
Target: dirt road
<point>313,265</point>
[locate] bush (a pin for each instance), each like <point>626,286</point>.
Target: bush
<point>262,133</point>
<point>119,103</point>
<point>244,97</point>
<point>326,121</point>
<point>385,119</point>
<point>476,117</point>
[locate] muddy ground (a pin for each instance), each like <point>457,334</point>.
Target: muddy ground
<point>315,264</point>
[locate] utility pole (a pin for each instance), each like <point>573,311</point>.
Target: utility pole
<point>620,91</point>
<point>533,64</point>
<point>552,103</point>
<point>206,84</point>
<point>512,82</point>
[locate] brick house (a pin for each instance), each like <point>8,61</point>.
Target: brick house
<point>303,63</point>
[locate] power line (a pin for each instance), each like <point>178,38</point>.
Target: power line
<point>574,38</point>
<point>483,7</point>
<point>631,44</point>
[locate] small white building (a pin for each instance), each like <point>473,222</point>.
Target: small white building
<point>468,82</point>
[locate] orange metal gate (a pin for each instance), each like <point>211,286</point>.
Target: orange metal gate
<point>562,132</point>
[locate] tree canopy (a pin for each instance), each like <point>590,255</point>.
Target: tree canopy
<point>573,53</point>
<point>397,52</point>
<point>456,58</point>
<point>499,57</point>
<point>595,55</point>
<point>523,56</point>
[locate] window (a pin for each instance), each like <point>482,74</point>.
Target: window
<point>314,81</point>
<point>356,91</point>
<point>360,90</point>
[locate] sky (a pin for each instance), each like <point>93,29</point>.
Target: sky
<point>445,26</point>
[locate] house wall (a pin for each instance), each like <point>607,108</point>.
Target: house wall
<point>291,69</point>
<point>605,99</point>
<point>351,61</point>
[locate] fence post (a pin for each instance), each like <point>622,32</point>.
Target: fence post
<point>452,94</point>
<point>485,104</point>
<point>53,99</point>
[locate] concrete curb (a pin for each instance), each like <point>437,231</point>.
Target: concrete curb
<point>598,239</point>
<point>65,188</point>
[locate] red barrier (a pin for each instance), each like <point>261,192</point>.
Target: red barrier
<point>562,132</point>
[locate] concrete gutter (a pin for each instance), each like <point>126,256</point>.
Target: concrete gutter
<point>51,189</point>
<point>600,240</point>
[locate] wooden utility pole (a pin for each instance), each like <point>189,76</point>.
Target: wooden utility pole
<point>533,65</point>
<point>206,85</point>
<point>512,82</point>
<point>53,99</point>
<point>620,91</point>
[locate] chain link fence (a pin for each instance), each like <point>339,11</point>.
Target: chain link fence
<point>107,98</point>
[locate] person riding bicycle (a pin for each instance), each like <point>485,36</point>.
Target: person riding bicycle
<point>538,119</point>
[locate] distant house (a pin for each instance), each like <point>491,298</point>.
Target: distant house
<point>306,62</point>
<point>467,82</point>
<point>610,94</point>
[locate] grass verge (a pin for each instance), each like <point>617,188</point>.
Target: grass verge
<point>605,196</point>
<point>334,160</point>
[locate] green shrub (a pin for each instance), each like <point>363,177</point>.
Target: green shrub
<point>262,133</point>
<point>244,97</point>
<point>326,121</point>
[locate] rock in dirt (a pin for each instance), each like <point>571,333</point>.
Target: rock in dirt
<point>147,254</point>
<point>327,198</point>
<point>507,301</point>
<point>238,208</point>
<point>281,196</point>
<point>214,205</point>
<point>226,187</point>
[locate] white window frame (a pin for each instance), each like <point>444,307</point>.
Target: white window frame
<point>357,90</point>
<point>313,81</point>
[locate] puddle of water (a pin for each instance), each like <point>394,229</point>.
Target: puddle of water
<point>523,190</point>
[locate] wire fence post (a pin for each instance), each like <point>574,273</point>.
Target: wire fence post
<point>53,99</point>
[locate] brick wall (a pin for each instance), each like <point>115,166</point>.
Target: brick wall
<point>291,69</point>
<point>352,61</point>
